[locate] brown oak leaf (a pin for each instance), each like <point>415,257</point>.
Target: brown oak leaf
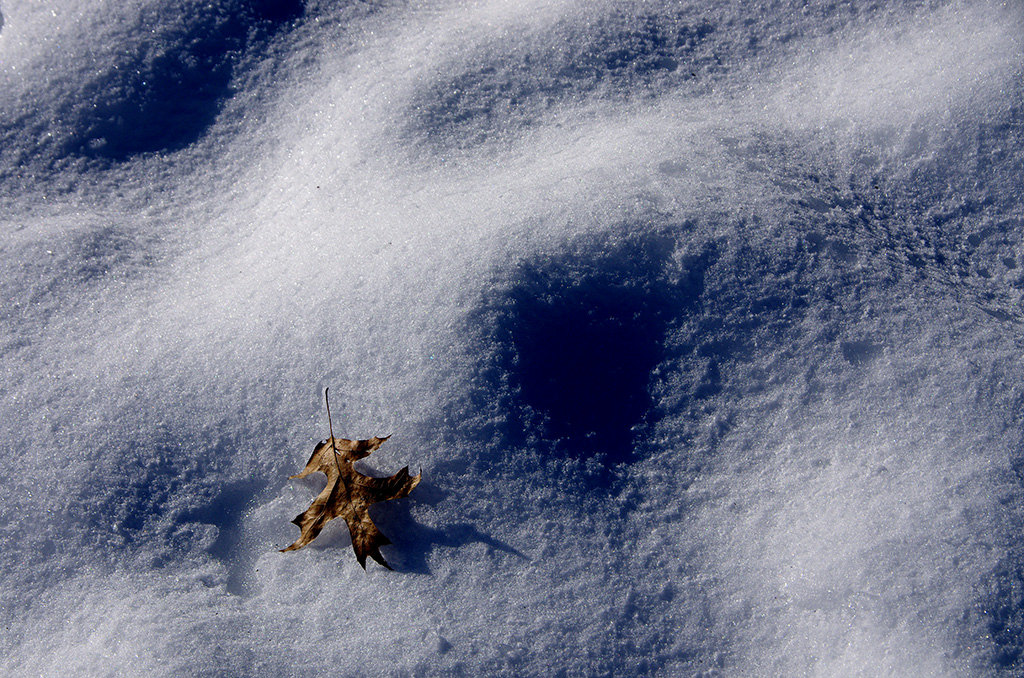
<point>348,495</point>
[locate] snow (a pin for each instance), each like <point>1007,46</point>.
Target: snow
<point>702,321</point>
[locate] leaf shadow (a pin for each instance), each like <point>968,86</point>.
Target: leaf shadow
<point>412,544</point>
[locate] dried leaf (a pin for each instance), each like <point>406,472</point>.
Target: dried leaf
<point>348,495</point>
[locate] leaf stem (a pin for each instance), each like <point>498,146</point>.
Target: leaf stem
<point>330,427</point>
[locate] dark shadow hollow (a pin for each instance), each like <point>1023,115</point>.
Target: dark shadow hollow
<point>226,511</point>
<point>173,82</point>
<point>579,335</point>
<point>511,84</point>
<point>158,492</point>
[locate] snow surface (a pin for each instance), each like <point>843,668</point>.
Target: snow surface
<point>702,320</point>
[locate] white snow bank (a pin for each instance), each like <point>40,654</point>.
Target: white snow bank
<point>698,382</point>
